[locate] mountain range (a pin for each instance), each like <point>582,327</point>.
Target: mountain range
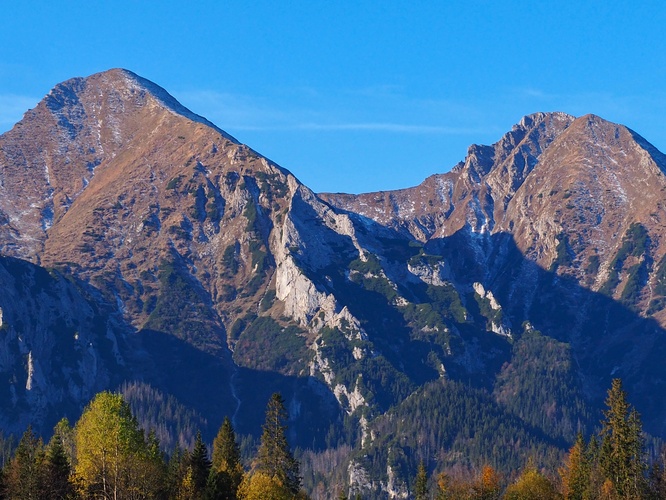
<point>145,250</point>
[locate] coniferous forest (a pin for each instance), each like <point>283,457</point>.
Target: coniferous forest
<point>106,454</point>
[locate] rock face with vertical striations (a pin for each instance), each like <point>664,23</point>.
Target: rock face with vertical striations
<point>142,247</point>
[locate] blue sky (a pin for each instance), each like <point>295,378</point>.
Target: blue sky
<point>354,96</point>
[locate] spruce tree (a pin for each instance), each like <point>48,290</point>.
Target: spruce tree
<point>176,471</point>
<point>58,470</point>
<point>421,482</point>
<point>274,457</point>
<point>66,433</point>
<point>622,455</point>
<point>226,472</point>
<point>576,472</point>
<point>25,474</point>
<point>199,465</point>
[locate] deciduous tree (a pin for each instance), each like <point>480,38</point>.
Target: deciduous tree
<point>531,485</point>
<point>487,485</point>
<point>110,448</point>
<point>575,473</point>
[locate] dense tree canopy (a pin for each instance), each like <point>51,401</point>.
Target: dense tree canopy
<point>108,456</point>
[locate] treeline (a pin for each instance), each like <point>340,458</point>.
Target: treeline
<point>107,455</point>
<point>611,465</point>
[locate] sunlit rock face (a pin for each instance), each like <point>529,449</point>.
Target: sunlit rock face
<point>142,244</point>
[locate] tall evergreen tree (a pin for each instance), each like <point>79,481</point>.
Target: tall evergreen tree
<point>622,455</point>
<point>58,470</point>
<point>25,474</point>
<point>421,482</point>
<point>177,468</point>
<point>199,465</point>
<point>274,457</point>
<point>66,433</point>
<point>226,472</point>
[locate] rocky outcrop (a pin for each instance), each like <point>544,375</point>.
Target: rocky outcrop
<point>153,245</point>
<point>54,344</point>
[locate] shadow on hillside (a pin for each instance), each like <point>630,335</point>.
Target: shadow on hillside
<point>202,381</point>
<point>608,339</point>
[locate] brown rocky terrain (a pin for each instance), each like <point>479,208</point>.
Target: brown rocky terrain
<point>185,264</point>
<point>566,189</point>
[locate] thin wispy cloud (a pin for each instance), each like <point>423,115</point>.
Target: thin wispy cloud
<point>226,109</point>
<point>236,112</point>
<point>385,127</point>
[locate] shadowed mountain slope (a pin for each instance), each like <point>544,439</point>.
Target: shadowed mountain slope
<point>190,269</point>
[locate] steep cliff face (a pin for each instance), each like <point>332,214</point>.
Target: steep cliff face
<point>475,193</point>
<point>184,264</point>
<point>567,191</point>
<point>562,221</point>
<point>57,347</point>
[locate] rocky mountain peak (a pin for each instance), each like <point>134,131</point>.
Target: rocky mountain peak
<point>474,193</point>
<point>121,90</point>
<point>164,252</point>
<point>81,128</point>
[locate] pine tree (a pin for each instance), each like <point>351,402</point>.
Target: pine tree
<point>622,455</point>
<point>421,482</point>
<point>177,468</point>
<point>657,476</point>
<point>199,464</point>
<point>153,468</point>
<point>66,433</point>
<point>25,477</point>
<point>58,470</point>
<point>274,458</point>
<point>226,472</point>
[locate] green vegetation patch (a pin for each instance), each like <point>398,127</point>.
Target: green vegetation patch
<point>423,258</point>
<point>369,275</point>
<point>369,266</point>
<point>541,387</point>
<point>180,308</point>
<point>638,275</point>
<point>229,260</point>
<point>485,309</point>
<point>267,345</point>
<point>175,182</point>
<point>635,243</point>
<point>562,253</point>
<point>592,267</point>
